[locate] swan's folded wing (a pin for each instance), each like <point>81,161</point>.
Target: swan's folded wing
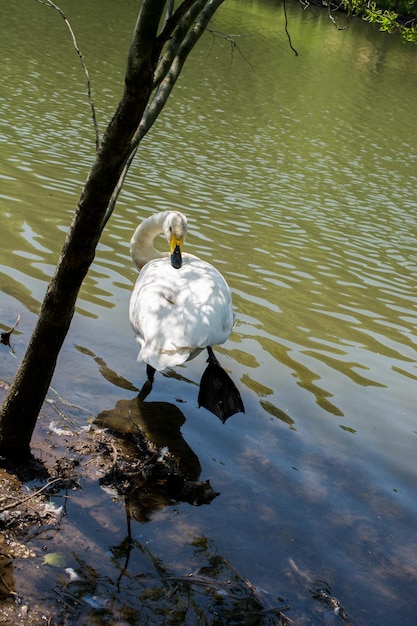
<point>176,313</point>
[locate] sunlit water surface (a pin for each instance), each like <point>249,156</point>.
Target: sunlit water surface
<point>298,176</point>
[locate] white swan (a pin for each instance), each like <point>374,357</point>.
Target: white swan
<point>179,306</point>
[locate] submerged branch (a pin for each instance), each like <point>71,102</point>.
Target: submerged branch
<point>5,336</point>
<point>287,31</point>
<point>26,499</point>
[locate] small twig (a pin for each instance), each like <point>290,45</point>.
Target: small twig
<point>114,462</point>
<point>233,45</point>
<point>323,594</point>
<point>258,596</point>
<point>51,4</point>
<point>71,405</point>
<point>27,498</point>
<point>332,19</point>
<point>67,598</point>
<point>5,336</point>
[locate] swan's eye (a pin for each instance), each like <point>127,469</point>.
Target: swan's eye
<point>170,229</point>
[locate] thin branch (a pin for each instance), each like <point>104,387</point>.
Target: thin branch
<point>21,501</point>
<point>287,32</point>
<point>51,4</point>
<point>118,187</point>
<point>169,11</point>
<point>171,75</point>
<point>332,19</point>
<point>172,19</point>
<point>233,45</point>
<point>175,30</point>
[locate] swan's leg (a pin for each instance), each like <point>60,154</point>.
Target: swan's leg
<point>150,372</point>
<point>218,393</point>
<point>147,387</point>
<point>211,356</point>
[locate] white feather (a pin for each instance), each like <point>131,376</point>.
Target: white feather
<point>175,313</point>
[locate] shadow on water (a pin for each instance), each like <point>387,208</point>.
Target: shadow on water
<point>144,588</point>
<point>124,576</point>
<point>89,579</point>
<point>120,576</point>
<point>213,593</point>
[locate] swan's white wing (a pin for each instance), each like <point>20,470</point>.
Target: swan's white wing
<point>175,313</point>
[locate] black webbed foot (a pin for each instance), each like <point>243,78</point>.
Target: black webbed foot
<point>218,393</point>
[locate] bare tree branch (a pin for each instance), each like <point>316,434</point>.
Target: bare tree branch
<point>169,10</point>
<point>233,46</point>
<point>175,31</point>
<point>52,5</point>
<point>165,87</point>
<point>287,32</point>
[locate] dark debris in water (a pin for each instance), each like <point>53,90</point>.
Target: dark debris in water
<point>328,610</point>
<point>5,335</point>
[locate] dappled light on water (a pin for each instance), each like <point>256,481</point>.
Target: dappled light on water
<point>298,178</point>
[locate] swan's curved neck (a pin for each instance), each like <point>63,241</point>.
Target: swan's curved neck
<point>141,245</point>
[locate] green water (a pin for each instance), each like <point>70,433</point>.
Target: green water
<point>298,177</point>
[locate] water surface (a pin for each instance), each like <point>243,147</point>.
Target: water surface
<point>298,176</point>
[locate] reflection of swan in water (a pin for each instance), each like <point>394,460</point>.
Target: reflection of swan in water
<point>179,306</point>
<point>161,422</point>
<point>150,489</point>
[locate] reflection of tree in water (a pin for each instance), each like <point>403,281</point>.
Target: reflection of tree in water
<point>153,466</point>
<point>213,593</point>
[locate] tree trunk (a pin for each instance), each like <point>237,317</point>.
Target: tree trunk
<point>25,397</point>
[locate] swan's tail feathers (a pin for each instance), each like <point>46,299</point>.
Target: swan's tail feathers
<point>218,393</point>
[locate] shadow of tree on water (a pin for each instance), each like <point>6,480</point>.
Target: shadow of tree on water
<point>142,460</point>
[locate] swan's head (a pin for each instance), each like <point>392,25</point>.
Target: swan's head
<point>175,229</point>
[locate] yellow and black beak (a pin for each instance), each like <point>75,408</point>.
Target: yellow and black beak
<point>175,249</point>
